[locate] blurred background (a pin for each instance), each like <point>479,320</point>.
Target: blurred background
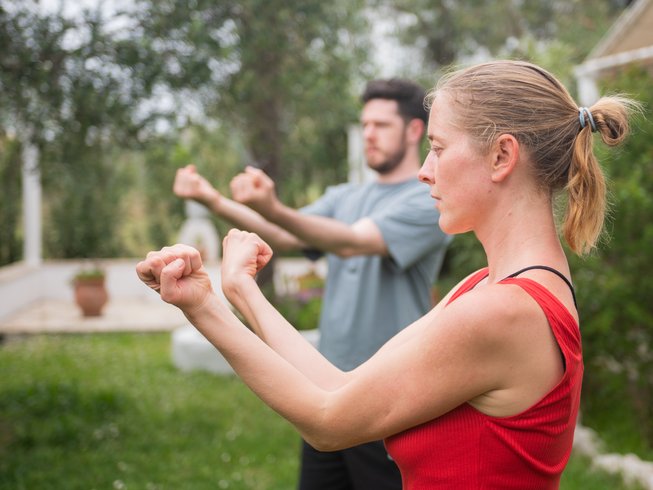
<point>101,102</point>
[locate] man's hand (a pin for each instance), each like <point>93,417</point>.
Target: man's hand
<point>191,185</point>
<point>243,255</point>
<point>178,275</point>
<point>254,189</point>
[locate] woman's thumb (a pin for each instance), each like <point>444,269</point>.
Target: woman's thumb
<point>170,274</point>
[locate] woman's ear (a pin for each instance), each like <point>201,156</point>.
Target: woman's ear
<point>505,155</point>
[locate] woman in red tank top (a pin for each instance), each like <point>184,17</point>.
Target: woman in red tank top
<point>483,391</point>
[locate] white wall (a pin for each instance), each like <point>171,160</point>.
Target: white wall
<point>22,284</point>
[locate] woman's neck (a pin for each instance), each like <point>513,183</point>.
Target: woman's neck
<point>520,235</point>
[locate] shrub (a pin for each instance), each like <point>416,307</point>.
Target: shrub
<point>614,287</point>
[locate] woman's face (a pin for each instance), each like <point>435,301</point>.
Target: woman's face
<point>457,173</point>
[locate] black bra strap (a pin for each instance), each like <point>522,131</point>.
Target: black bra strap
<point>550,269</point>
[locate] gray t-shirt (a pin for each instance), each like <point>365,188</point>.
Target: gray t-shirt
<point>369,298</point>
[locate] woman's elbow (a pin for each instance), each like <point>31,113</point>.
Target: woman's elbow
<point>327,441</point>
<point>329,432</point>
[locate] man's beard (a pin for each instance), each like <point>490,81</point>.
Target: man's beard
<point>389,164</point>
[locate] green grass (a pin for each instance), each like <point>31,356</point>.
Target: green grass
<point>109,411</point>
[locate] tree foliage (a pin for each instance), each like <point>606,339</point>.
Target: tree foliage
<point>87,88</point>
<point>70,87</point>
<point>279,73</point>
<point>10,204</point>
<point>614,289</point>
<point>449,32</point>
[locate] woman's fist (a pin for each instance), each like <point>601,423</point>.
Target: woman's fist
<point>178,275</point>
<point>243,255</point>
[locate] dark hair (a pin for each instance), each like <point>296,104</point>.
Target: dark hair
<point>409,96</point>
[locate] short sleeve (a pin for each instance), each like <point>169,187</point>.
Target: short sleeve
<point>326,205</point>
<point>410,227</point>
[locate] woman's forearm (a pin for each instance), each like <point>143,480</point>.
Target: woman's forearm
<point>281,336</point>
<point>272,378</point>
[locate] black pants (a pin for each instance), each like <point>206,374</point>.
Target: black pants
<point>364,467</point>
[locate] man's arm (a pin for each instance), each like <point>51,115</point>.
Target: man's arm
<point>189,184</point>
<point>256,190</point>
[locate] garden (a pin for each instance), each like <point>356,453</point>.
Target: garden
<point>113,102</point>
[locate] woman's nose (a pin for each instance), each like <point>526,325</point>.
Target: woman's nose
<point>425,174</point>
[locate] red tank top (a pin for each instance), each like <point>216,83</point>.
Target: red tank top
<point>467,449</point>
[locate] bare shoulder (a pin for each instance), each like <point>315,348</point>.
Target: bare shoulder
<point>503,327</point>
<point>445,300</point>
<point>492,311</point>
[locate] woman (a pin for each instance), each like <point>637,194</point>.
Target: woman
<point>483,391</point>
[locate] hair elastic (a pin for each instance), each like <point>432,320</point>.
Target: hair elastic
<point>581,117</point>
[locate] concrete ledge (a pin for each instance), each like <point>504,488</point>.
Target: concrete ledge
<point>136,314</point>
<point>23,286</point>
<point>192,352</point>
<point>41,299</point>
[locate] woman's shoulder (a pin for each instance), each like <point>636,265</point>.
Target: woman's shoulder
<point>495,311</point>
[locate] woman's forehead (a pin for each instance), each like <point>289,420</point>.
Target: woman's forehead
<point>440,117</point>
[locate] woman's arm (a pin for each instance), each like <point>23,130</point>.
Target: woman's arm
<point>434,370</point>
<point>271,327</point>
<point>468,352</point>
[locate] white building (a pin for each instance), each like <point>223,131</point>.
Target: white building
<point>629,41</point>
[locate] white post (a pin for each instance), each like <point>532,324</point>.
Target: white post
<point>359,172</point>
<point>32,252</point>
<point>199,232</point>
<point>588,91</point>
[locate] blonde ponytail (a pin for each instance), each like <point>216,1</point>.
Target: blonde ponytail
<point>587,203</point>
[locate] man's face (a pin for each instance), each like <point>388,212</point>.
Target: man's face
<point>384,135</point>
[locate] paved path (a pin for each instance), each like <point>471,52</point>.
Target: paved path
<point>127,315</point>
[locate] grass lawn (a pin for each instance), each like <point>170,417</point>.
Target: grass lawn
<point>109,411</point>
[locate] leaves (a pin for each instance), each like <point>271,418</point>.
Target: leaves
<point>614,288</point>
<point>453,31</point>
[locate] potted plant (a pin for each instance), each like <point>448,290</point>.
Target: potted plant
<point>90,290</point>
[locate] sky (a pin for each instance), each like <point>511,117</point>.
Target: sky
<point>389,56</point>
<point>74,7</point>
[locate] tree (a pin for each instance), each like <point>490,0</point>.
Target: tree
<point>10,205</point>
<point>70,87</point>
<point>449,32</point>
<point>614,290</point>
<point>279,73</point>
<point>85,88</point>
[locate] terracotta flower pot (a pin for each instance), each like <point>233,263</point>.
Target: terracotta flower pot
<point>91,295</point>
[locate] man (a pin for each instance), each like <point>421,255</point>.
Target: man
<point>384,249</point>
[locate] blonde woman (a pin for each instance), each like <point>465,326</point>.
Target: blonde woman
<point>483,391</point>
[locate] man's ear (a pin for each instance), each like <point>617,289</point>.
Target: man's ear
<point>505,155</point>
<point>415,130</point>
